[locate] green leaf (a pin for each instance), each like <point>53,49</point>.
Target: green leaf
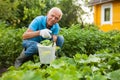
<point>115,75</point>
<point>99,77</point>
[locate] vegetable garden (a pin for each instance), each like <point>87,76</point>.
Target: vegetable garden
<point>87,54</point>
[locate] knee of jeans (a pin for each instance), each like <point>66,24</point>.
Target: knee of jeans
<point>60,41</point>
<point>32,49</point>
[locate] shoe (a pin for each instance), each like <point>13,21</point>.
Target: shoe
<point>20,59</point>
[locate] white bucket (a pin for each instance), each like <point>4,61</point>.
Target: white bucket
<point>46,54</point>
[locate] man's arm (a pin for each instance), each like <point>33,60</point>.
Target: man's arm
<point>30,34</point>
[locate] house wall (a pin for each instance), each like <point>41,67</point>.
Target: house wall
<point>115,18</point>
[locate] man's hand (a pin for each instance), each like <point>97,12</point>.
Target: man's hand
<point>45,33</point>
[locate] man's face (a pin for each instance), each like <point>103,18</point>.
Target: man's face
<point>53,17</point>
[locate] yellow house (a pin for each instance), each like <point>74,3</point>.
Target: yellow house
<point>106,14</point>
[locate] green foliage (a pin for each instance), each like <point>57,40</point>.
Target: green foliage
<point>89,40</point>
<point>70,11</point>
<point>81,67</point>
<point>115,75</point>
<point>30,9</point>
<point>10,44</point>
<point>46,43</point>
<point>8,12</point>
<point>20,13</point>
<point>95,55</point>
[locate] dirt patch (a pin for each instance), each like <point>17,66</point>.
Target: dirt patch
<point>2,71</point>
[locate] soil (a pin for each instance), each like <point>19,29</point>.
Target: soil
<point>2,71</point>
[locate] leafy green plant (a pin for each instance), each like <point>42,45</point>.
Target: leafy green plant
<point>92,55</point>
<point>81,67</point>
<point>89,40</point>
<point>46,43</point>
<point>10,45</point>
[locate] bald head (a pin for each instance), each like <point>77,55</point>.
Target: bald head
<point>56,9</point>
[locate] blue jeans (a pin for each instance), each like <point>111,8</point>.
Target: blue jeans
<point>31,46</point>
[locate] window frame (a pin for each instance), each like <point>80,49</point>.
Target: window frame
<point>105,6</point>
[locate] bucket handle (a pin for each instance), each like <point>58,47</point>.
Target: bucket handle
<point>53,44</point>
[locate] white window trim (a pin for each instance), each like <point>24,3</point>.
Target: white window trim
<point>104,6</point>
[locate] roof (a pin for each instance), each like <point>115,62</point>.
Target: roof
<point>94,2</point>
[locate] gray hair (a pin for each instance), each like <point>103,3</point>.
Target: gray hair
<point>58,9</point>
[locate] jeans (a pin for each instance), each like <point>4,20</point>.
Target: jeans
<point>31,46</point>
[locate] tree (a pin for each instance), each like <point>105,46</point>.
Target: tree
<point>82,11</point>
<point>7,11</point>
<point>20,13</point>
<point>72,12</point>
<point>69,13</point>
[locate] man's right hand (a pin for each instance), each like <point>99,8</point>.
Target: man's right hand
<point>45,33</point>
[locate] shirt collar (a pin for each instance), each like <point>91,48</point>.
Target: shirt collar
<point>44,22</point>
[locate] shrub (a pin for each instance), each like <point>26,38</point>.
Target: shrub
<point>89,40</point>
<point>10,44</point>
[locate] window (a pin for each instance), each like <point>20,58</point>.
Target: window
<point>106,15</point>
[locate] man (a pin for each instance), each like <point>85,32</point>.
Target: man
<point>41,28</point>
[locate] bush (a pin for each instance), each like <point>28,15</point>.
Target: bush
<point>89,40</point>
<point>10,44</point>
